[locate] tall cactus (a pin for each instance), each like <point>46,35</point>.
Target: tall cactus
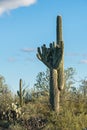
<point>53,58</point>
<point>58,40</point>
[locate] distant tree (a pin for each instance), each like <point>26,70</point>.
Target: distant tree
<point>3,86</point>
<point>83,87</point>
<point>5,95</point>
<point>69,91</point>
<point>69,78</point>
<point>42,81</point>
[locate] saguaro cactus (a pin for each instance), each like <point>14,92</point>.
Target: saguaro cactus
<point>20,88</point>
<point>20,93</point>
<point>53,58</point>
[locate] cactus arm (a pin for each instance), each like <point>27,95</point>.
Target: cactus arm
<point>43,55</point>
<point>59,55</point>
<point>59,29</point>
<point>60,71</point>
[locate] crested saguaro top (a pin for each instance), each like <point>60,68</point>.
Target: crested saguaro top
<point>53,55</point>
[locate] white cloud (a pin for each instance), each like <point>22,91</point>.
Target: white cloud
<point>83,61</point>
<point>7,5</point>
<point>28,50</point>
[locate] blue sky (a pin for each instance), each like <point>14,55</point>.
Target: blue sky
<point>28,24</point>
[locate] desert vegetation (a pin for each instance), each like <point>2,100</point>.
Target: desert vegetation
<point>36,112</point>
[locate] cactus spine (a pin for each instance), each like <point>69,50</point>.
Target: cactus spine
<point>53,58</point>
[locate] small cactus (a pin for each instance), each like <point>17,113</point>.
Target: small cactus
<point>20,93</point>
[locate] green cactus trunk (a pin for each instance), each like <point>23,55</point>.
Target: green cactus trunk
<point>54,91</point>
<point>20,92</point>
